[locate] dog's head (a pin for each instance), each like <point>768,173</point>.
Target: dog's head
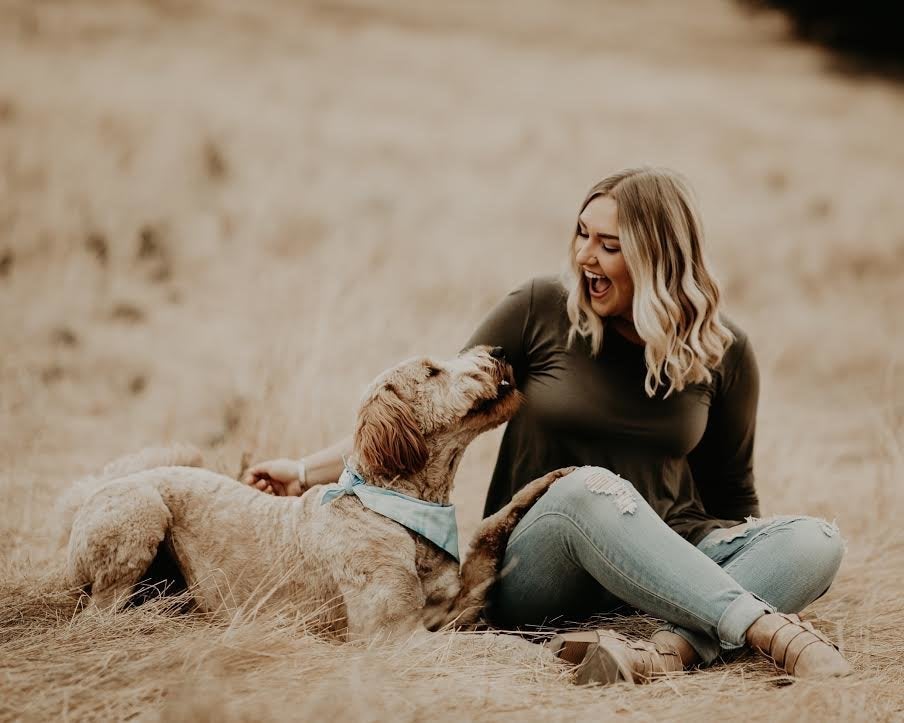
<point>422,404</point>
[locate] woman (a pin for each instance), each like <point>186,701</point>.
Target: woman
<point>629,369</point>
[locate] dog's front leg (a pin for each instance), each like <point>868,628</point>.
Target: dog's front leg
<point>384,604</point>
<point>487,549</point>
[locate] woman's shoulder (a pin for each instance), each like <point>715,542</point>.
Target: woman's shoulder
<point>739,354</point>
<point>740,336</point>
<point>538,295</point>
<point>546,289</point>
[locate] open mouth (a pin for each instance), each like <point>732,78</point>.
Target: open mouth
<point>504,389</point>
<point>597,284</point>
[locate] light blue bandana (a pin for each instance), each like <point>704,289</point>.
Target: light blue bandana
<point>434,521</point>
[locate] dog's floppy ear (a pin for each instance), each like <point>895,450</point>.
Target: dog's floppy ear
<point>387,439</point>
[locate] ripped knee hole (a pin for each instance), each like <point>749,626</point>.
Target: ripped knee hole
<point>605,482</point>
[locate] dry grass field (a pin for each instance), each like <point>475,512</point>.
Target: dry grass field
<point>220,219</point>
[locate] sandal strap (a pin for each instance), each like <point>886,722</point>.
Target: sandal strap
<point>791,666</point>
<point>648,654</point>
<point>780,657</point>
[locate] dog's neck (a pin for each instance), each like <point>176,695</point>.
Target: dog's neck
<point>433,483</point>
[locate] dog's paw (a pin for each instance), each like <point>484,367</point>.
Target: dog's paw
<point>561,472</point>
<point>532,491</point>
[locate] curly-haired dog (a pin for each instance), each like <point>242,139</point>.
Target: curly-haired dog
<point>365,573</point>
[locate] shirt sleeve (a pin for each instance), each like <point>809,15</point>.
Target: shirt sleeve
<point>722,463</point>
<point>505,326</point>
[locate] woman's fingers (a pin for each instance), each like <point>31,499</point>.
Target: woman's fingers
<point>261,484</point>
<point>252,475</point>
<point>281,470</point>
<point>278,488</point>
<point>275,477</point>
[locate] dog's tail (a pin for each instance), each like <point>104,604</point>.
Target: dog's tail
<point>181,455</point>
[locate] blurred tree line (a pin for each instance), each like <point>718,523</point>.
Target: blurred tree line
<point>865,31</point>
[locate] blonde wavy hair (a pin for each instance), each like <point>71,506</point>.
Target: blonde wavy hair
<point>676,298</point>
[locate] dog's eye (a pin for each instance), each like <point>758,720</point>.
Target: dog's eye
<point>432,371</point>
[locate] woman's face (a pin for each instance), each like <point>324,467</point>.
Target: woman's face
<point>598,254</point>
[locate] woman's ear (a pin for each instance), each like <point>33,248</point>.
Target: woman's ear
<point>388,441</point>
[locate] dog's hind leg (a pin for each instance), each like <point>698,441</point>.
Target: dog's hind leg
<point>485,554</point>
<point>114,539</point>
<point>71,500</point>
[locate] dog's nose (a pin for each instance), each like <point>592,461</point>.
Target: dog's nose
<point>497,352</point>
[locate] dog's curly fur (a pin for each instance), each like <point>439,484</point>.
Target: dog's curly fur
<point>363,573</point>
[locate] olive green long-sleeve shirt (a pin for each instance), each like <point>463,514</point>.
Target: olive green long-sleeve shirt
<point>690,455</point>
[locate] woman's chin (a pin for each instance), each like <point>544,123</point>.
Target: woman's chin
<point>601,307</point>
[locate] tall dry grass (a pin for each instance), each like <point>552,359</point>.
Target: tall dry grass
<point>219,220</point>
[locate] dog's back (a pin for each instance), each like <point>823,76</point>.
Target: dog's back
<point>73,498</point>
<point>232,546</point>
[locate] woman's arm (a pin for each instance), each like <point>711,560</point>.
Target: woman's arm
<point>325,466</point>
<point>722,464</point>
<point>282,476</point>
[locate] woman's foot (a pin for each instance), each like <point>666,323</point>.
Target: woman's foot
<point>604,656</point>
<point>796,647</point>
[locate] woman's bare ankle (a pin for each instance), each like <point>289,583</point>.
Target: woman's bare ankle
<point>762,629</point>
<point>672,642</point>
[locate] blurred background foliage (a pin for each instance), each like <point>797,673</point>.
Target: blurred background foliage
<point>866,34</point>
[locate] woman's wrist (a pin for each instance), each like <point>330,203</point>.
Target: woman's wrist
<point>324,466</point>
<point>318,472</point>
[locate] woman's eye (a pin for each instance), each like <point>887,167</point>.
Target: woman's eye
<point>582,233</point>
<point>611,249</point>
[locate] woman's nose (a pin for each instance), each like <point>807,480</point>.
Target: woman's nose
<point>584,255</point>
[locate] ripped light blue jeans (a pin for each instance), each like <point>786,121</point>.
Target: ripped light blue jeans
<point>592,544</point>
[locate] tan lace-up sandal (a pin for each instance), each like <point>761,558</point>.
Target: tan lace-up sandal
<point>797,647</point>
<point>604,656</point>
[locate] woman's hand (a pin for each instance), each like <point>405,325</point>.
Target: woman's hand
<point>280,476</point>
<point>275,477</point>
